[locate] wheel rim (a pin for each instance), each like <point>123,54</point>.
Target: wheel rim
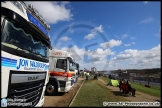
<point>50,88</point>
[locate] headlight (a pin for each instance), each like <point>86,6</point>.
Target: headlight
<point>18,5</point>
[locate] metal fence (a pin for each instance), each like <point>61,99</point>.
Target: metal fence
<point>147,79</point>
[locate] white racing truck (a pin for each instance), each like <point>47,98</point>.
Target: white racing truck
<point>62,72</point>
<point>25,43</point>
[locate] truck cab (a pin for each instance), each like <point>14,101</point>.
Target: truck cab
<point>62,72</point>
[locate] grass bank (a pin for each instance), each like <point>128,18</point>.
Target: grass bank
<point>94,94</point>
<point>153,91</point>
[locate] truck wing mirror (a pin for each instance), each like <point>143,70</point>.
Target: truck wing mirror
<point>50,47</point>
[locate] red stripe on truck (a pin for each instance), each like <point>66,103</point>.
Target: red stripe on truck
<point>63,74</point>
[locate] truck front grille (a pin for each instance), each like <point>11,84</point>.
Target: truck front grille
<point>62,83</point>
<point>30,91</point>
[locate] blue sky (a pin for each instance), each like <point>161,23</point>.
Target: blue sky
<point>106,35</point>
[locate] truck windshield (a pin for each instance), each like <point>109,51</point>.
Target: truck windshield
<point>16,37</point>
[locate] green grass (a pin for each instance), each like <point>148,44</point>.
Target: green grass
<point>154,87</point>
<point>105,79</point>
<point>94,94</point>
<point>153,91</point>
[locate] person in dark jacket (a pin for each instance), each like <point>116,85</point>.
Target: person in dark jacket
<point>110,77</point>
<point>131,88</point>
<point>120,84</point>
<point>96,76</point>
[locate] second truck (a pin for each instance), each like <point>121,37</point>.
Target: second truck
<point>63,71</point>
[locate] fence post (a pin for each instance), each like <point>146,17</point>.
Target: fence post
<point>133,78</point>
<point>139,79</point>
<point>148,79</point>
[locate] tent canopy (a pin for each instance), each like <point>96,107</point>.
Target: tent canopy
<point>113,83</point>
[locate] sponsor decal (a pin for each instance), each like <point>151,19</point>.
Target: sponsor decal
<point>26,64</point>
<point>57,53</point>
<point>31,65</point>
<point>38,24</point>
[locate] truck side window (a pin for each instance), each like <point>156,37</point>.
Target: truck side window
<point>60,63</point>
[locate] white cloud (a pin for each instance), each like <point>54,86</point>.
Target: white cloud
<point>159,34</point>
<point>94,55</point>
<point>94,32</point>
<point>111,43</point>
<point>145,2</point>
<point>99,54</point>
<point>64,3</point>
<point>124,36</point>
<point>90,36</point>
<point>99,29</point>
<point>127,45</point>
<point>65,38</point>
<point>127,54</point>
<point>147,20</point>
<point>128,59</point>
<point>52,12</point>
<point>139,59</point>
<point>71,30</point>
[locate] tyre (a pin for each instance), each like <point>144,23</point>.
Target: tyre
<point>51,89</point>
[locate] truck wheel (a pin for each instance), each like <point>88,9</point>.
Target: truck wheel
<point>51,89</point>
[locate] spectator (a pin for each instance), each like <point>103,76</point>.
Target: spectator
<point>120,84</point>
<point>110,77</point>
<point>87,76</point>
<point>96,76</point>
<point>130,88</point>
<point>123,81</point>
<point>99,75</point>
<point>113,77</point>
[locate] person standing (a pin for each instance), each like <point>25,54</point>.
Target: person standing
<point>96,76</point>
<point>131,88</point>
<point>87,76</point>
<point>120,84</point>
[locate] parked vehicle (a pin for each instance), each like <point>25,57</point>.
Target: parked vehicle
<point>63,72</point>
<point>25,43</point>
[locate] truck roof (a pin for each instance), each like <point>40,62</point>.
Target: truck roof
<point>59,53</point>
